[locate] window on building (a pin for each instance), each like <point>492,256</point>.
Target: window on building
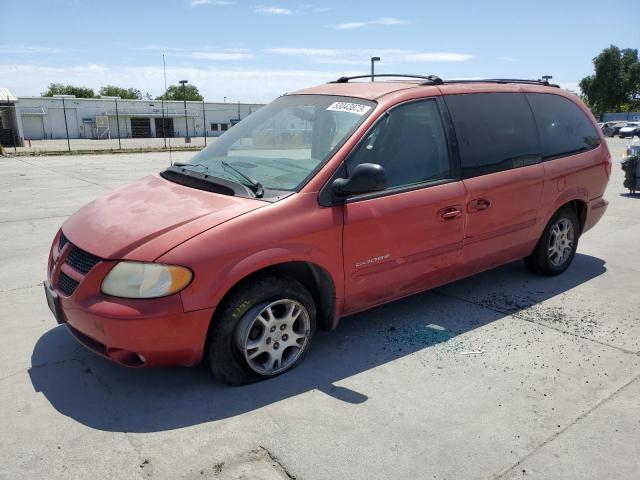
<point>214,127</point>
<point>224,126</point>
<point>410,143</point>
<point>564,128</point>
<point>495,132</point>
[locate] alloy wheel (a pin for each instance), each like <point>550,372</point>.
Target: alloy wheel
<point>561,240</point>
<point>276,337</point>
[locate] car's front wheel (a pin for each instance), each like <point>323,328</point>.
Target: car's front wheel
<point>262,330</point>
<point>557,246</point>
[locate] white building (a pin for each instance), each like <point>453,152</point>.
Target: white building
<point>44,117</point>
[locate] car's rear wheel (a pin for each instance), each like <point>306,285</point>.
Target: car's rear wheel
<point>557,245</point>
<point>263,330</point>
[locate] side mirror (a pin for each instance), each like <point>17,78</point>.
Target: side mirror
<point>365,178</point>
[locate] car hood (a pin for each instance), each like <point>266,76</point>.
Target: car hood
<point>145,219</point>
<point>628,129</point>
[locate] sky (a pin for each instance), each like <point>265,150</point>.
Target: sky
<point>252,51</point>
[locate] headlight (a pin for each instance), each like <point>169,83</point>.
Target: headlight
<point>145,280</point>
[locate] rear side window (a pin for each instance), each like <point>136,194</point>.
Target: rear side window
<point>495,132</point>
<point>564,128</point>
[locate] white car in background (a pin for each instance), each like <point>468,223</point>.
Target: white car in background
<point>631,129</point>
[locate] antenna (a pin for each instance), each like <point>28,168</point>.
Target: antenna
<point>164,126</point>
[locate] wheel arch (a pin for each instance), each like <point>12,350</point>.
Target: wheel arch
<point>580,207</point>
<point>316,279</point>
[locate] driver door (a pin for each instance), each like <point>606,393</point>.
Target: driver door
<point>407,238</point>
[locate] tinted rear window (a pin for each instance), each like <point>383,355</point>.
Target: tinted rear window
<point>563,127</point>
<point>495,131</point>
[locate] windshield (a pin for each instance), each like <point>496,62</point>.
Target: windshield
<point>284,143</point>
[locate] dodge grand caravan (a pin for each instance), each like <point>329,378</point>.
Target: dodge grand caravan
<point>327,202</point>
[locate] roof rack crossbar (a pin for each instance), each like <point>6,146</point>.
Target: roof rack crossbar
<point>435,80</point>
<point>506,80</point>
<point>428,79</point>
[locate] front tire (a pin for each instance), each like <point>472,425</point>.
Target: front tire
<point>557,245</point>
<point>264,329</point>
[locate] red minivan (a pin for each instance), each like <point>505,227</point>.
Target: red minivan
<point>324,203</point>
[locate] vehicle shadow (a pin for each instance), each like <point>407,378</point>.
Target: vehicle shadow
<point>631,195</point>
<point>101,395</point>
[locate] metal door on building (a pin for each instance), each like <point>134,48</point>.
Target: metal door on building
<point>141,127</point>
<point>164,127</point>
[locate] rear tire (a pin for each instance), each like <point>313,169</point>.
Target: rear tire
<point>264,320</point>
<point>557,245</point>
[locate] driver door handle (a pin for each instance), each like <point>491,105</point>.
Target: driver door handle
<point>450,213</point>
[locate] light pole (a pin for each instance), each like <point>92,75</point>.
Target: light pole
<point>187,139</point>
<point>373,60</point>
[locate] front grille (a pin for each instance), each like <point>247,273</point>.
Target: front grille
<point>62,241</point>
<point>66,284</point>
<point>82,261</point>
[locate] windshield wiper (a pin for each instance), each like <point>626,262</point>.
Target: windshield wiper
<point>182,164</point>
<point>256,186</point>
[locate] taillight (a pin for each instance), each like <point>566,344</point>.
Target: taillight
<point>607,165</point>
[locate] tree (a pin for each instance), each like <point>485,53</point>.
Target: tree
<point>174,92</point>
<point>125,93</point>
<point>615,86</point>
<point>61,89</point>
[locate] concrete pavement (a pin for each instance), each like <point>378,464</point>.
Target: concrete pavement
<point>503,375</point>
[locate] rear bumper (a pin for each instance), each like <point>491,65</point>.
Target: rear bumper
<point>595,211</point>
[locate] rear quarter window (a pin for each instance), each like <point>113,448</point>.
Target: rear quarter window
<point>495,132</point>
<point>563,127</point>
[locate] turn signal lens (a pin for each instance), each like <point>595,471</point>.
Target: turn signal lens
<point>145,280</point>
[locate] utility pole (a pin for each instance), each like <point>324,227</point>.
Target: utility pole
<point>187,139</point>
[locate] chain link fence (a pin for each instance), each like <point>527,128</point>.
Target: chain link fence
<point>61,124</point>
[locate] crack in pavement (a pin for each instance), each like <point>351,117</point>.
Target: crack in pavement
<point>21,288</point>
<point>555,435</point>
<point>35,218</point>
<point>43,365</point>
<point>277,463</point>
<point>64,174</point>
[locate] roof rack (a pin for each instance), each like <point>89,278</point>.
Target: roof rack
<point>506,80</point>
<point>428,79</point>
<point>435,80</point>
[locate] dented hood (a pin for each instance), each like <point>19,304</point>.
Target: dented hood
<point>145,219</point>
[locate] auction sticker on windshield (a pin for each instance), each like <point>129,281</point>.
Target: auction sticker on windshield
<point>356,108</point>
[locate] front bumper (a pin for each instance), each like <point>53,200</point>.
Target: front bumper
<point>131,332</point>
<point>152,341</point>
